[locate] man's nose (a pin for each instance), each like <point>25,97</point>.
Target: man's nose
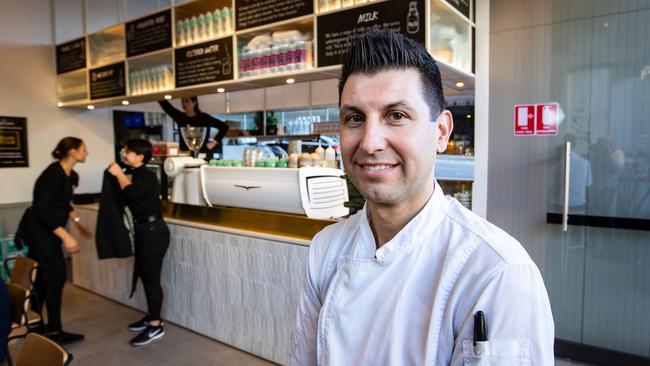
<point>373,137</point>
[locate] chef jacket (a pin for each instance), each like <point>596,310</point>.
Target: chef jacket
<point>413,300</point>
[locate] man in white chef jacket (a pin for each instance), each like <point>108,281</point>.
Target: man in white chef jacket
<point>400,282</point>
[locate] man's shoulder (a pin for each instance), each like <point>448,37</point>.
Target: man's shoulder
<point>488,238</point>
<point>335,238</point>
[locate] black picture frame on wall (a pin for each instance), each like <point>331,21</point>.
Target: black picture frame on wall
<point>13,142</point>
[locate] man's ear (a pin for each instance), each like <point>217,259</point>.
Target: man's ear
<point>444,124</point>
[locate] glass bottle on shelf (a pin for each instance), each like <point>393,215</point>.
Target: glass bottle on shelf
<point>227,19</point>
<point>194,26</point>
<point>180,39</point>
<point>217,23</point>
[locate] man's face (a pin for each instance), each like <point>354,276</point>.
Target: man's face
<point>388,139</point>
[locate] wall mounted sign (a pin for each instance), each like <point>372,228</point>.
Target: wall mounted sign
<point>540,119</point>
<point>13,142</point>
<point>547,116</point>
<point>108,81</point>
<point>254,13</point>
<point>525,120</point>
<point>149,34</point>
<point>204,63</point>
<point>337,30</point>
<point>71,56</point>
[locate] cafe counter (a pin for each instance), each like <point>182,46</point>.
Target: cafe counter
<point>230,274</point>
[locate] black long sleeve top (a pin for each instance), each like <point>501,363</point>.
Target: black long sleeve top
<point>52,197</point>
<point>201,119</point>
<point>143,194</point>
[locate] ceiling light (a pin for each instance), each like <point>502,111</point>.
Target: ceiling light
<point>59,104</point>
<point>291,81</point>
<point>469,116</point>
<point>168,97</point>
<point>221,90</point>
<point>125,102</point>
<point>460,84</point>
<point>90,106</point>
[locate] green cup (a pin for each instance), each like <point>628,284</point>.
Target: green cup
<point>237,163</point>
<point>282,163</point>
<point>260,164</point>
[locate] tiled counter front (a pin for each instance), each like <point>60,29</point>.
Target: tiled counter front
<point>236,288</point>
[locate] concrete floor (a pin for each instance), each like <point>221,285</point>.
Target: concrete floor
<point>104,322</point>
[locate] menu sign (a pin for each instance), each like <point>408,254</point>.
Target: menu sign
<point>463,6</point>
<point>254,13</point>
<point>204,63</point>
<point>71,56</point>
<point>337,30</point>
<point>13,142</point>
<point>148,34</point>
<point>107,81</point>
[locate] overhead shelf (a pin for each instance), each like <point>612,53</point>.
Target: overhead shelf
<point>107,47</point>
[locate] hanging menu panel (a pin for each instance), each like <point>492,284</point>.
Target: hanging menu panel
<point>255,13</point>
<point>149,34</point>
<point>108,81</point>
<point>204,63</point>
<point>71,56</point>
<point>337,30</point>
<point>13,142</point>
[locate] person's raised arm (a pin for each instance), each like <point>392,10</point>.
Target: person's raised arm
<point>174,113</point>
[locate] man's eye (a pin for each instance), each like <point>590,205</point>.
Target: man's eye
<point>353,120</point>
<point>396,116</point>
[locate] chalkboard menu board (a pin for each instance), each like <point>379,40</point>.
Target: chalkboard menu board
<point>13,142</point>
<point>149,34</point>
<point>204,63</point>
<point>107,81</point>
<point>337,30</point>
<point>71,56</point>
<point>254,13</point>
<point>463,6</point>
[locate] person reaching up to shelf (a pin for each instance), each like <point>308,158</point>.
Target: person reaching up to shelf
<point>192,116</point>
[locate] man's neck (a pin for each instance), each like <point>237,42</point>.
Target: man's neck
<point>386,221</point>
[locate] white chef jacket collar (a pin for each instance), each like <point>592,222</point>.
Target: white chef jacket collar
<point>424,222</point>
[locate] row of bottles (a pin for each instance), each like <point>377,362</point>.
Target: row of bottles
<point>151,80</point>
<point>204,27</point>
<point>327,5</point>
<point>301,125</point>
<point>281,52</point>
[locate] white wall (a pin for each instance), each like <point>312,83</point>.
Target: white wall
<point>27,89</point>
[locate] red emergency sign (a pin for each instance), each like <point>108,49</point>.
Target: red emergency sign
<point>524,120</point>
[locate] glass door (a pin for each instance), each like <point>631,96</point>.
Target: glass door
<point>597,266</point>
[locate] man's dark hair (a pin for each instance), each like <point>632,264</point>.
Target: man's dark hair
<point>140,147</point>
<point>384,49</point>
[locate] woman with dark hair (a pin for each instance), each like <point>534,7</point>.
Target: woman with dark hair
<point>141,194</point>
<point>51,209</point>
<point>192,116</point>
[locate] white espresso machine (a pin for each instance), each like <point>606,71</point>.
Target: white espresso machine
<point>185,171</point>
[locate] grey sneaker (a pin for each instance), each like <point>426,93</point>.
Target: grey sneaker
<point>148,335</point>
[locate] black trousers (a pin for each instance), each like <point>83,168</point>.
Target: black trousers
<point>151,243</point>
<point>45,248</point>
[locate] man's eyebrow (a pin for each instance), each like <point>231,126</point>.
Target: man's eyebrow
<point>398,104</point>
<point>350,108</point>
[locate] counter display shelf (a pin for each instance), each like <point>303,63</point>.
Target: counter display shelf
<point>283,48</point>
<point>107,46</point>
<point>203,21</point>
<point>261,32</point>
<point>450,37</point>
<point>151,73</point>
<point>237,285</point>
<point>72,85</point>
